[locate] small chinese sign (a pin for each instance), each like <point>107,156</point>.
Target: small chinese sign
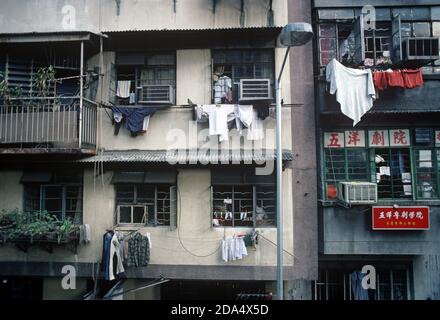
<point>401,218</point>
<point>354,138</point>
<point>378,138</point>
<point>437,138</point>
<point>399,137</point>
<point>334,140</point>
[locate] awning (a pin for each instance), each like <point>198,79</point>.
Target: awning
<point>187,156</point>
<point>33,37</point>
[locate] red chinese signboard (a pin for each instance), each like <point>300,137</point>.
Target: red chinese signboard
<point>401,218</point>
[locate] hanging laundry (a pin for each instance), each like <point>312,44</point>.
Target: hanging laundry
<point>233,248</point>
<point>354,89</point>
<point>123,89</point>
<point>84,234</point>
<point>218,119</point>
<point>138,250</point>
<point>412,78</point>
<point>111,261</point>
<point>256,129</point>
<point>243,117</point>
<point>134,117</point>
<point>395,79</point>
<point>223,90</point>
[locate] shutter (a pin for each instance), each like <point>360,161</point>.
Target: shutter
<point>359,35</point>
<point>396,38</point>
<point>173,208</point>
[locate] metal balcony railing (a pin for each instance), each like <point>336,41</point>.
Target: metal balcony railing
<point>58,123</point>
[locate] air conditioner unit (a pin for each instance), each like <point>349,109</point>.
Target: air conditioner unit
<point>255,89</point>
<point>156,94</point>
<point>357,192</point>
<point>420,48</point>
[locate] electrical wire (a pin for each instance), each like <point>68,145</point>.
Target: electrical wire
<point>180,239</point>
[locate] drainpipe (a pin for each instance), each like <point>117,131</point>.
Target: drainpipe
<point>81,96</point>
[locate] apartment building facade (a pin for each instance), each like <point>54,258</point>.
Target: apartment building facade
<point>378,187</point>
<point>165,170</point>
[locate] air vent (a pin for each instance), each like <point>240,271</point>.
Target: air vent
<point>420,49</point>
<point>255,89</point>
<point>156,94</point>
<point>352,193</point>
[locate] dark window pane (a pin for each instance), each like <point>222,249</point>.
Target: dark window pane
<point>138,214</point>
<point>125,194</point>
<point>125,214</point>
<point>265,206</point>
<point>145,194</point>
<point>243,206</point>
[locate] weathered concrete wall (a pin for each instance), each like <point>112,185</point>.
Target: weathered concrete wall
<point>11,191</point>
<point>305,212</point>
<point>349,231</point>
<point>427,277</point>
<point>18,16</point>
<point>194,226</point>
<point>193,82</point>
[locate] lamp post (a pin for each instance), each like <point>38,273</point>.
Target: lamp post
<point>292,35</point>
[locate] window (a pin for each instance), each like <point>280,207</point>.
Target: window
<point>403,162</point>
<point>148,78</point>
<point>335,284</point>
<point>243,206</point>
<point>378,41</point>
<point>59,194</point>
<point>144,204</point>
<point>238,65</point>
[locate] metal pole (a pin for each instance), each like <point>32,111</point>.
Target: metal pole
<point>279,169</point>
<point>81,96</point>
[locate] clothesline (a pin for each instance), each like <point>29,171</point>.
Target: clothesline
<point>188,106</point>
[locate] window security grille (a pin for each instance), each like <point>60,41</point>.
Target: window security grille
<point>153,94</point>
<point>255,89</point>
<point>357,192</point>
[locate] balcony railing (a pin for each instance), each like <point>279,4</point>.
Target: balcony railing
<point>49,123</point>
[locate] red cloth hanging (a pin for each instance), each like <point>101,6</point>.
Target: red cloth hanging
<point>380,80</point>
<point>395,79</point>
<point>412,78</point>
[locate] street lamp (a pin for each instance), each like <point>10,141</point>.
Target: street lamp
<point>292,35</point>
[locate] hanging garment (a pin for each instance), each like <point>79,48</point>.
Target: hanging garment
<point>138,250</point>
<point>380,80</point>
<point>243,117</point>
<point>233,248</point>
<point>123,89</point>
<point>354,89</point>
<point>132,98</point>
<point>359,293</point>
<point>218,119</point>
<point>223,90</point>
<point>256,129</point>
<point>134,117</point>
<point>84,234</point>
<point>412,78</point>
<point>115,262</point>
<point>105,259</point>
<point>395,79</point>
<point>262,110</point>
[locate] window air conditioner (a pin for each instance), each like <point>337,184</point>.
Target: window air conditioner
<point>357,192</point>
<point>156,94</point>
<point>255,89</point>
<point>420,48</point>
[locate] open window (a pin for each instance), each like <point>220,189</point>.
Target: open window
<point>146,78</point>
<point>243,75</point>
<point>146,198</point>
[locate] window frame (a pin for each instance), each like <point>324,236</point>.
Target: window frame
<point>64,186</point>
<point>146,205</point>
<point>254,206</point>
<point>413,148</point>
<point>234,65</point>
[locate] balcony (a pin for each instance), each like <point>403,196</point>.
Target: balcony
<point>64,125</point>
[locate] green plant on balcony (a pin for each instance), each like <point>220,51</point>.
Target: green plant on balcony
<point>7,93</point>
<point>34,226</point>
<point>43,80</point>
